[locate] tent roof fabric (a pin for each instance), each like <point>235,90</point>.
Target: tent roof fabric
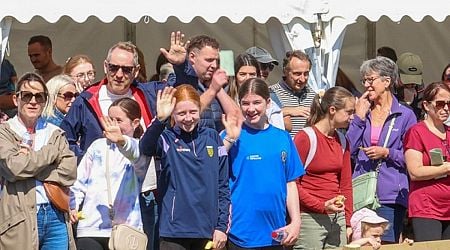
<point>211,11</point>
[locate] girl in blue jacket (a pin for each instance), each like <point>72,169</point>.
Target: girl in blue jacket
<point>193,184</point>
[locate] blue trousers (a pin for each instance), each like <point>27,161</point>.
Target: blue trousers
<point>149,213</point>
<point>52,228</point>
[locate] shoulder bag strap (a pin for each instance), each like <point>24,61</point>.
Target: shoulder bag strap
<point>391,126</point>
<point>108,184</point>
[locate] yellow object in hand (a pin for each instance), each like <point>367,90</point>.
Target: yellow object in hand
<point>80,215</point>
<point>209,245</point>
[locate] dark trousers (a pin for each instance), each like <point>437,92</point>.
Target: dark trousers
<point>182,243</point>
<point>430,229</point>
<point>92,243</point>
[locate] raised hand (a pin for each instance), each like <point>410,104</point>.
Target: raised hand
<point>232,124</point>
<point>165,103</point>
<point>112,130</point>
<point>178,49</point>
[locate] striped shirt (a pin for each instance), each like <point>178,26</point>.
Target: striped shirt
<point>290,99</point>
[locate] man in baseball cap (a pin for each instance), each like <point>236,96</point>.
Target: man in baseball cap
<point>265,59</point>
<point>408,90</point>
<point>410,68</point>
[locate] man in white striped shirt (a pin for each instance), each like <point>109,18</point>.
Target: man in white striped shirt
<point>293,92</point>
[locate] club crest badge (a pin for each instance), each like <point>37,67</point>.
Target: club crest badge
<point>210,151</point>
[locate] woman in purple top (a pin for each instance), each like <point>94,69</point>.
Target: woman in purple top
<point>377,110</point>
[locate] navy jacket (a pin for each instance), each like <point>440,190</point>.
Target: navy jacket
<point>211,117</point>
<point>193,184</point>
<point>82,122</point>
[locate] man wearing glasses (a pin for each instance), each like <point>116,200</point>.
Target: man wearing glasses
<point>82,122</point>
<point>265,60</point>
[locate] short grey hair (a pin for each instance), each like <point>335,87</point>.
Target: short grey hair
<point>127,46</point>
<point>384,66</point>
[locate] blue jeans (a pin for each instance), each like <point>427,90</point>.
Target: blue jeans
<point>394,214</point>
<point>52,229</point>
<point>149,213</point>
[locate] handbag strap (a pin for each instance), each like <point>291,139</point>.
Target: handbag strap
<point>388,135</point>
<point>108,185</point>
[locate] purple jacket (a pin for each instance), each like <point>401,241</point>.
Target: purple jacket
<point>393,184</point>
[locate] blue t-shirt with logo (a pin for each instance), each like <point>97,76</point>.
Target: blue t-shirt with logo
<point>262,162</point>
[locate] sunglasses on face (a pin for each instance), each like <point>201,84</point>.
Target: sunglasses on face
<point>69,95</point>
<point>27,96</point>
<point>265,66</point>
<point>125,69</point>
<point>441,104</point>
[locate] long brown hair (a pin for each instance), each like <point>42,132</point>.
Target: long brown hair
<point>336,96</point>
<point>131,108</point>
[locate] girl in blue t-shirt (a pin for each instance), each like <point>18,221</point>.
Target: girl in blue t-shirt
<point>264,166</point>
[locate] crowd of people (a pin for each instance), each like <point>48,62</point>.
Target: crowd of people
<point>196,159</point>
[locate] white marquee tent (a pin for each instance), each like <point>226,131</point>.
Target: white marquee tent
<point>90,27</point>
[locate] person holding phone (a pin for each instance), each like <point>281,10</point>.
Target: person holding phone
<point>377,114</point>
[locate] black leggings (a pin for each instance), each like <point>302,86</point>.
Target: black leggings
<point>92,243</point>
<point>182,243</point>
<point>430,229</point>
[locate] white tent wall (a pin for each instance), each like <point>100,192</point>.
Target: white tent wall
<point>94,38</point>
<point>428,38</point>
<point>69,38</point>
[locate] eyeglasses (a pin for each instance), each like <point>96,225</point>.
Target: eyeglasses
<point>68,95</point>
<point>441,104</point>
<point>83,75</point>
<point>125,69</point>
<point>369,80</point>
<point>27,96</point>
<point>265,66</point>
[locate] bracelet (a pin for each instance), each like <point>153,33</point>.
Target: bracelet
<point>230,140</point>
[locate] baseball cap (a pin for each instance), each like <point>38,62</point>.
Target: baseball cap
<point>364,215</point>
<point>410,68</point>
<point>262,55</point>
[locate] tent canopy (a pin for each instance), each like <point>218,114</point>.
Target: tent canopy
<point>290,24</point>
<point>235,10</point>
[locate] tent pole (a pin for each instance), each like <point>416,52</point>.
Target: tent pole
<point>130,31</point>
<point>371,40</point>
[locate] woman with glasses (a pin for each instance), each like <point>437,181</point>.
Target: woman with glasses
<point>33,152</point>
<point>61,94</point>
<point>81,69</point>
<point>376,140</point>
<point>245,67</point>
<point>425,144</point>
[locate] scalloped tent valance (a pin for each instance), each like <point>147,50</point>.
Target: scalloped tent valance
<point>235,10</point>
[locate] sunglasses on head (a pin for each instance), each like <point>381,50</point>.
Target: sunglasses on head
<point>265,66</point>
<point>441,104</point>
<point>27,96</point>
<point>114,68</point>
<point>69,95</point>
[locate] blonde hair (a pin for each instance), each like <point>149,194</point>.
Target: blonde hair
<point>74,61</point>
<point>54,85</point>
<point>366,226</point>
